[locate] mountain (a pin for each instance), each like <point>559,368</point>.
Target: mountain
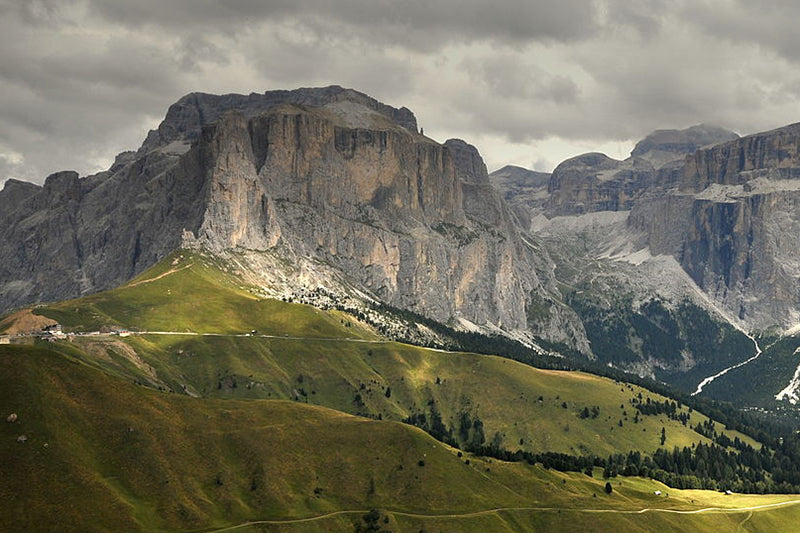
<point>314,188</point>
<point>694,227</point>
<point>524,190</point>
<point>595,182</point>
<point>664,264</point>
<point>735,210</point>
<point>263,256</point>
<point>640,309</point>
<point>666,146</point>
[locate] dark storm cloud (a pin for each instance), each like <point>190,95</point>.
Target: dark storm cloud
<point>412,23</point>
<point>84,79</point>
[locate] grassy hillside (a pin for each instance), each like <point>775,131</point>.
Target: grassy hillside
<point>104,454</point>
<point>519,407</point>
<point>530,409</point>
<point>194,293</point>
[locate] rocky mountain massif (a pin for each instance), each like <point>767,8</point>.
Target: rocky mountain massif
<point>709,199</point>
<point>739,242</point>
<point>315,189</point>
<point>660,263</point>
<point>697,226</point>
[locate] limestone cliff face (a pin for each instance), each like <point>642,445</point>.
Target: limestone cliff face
<point>74,236</point>
<point>594,182</point>
<point>314,176</point>
<point>415,223</point>
<point>737,236</point>
<point>729,163</point>
<point>185,118</point>
<point>525,191</point>
<point>14,193</point>
<point>664,146</point>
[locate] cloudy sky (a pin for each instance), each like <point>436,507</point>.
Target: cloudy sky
<point>529,82</point>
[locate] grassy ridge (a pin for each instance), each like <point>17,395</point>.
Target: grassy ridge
<point>194,293</point>
<point>160,460</point>
<point>394,381</point>
<point>103,454</point>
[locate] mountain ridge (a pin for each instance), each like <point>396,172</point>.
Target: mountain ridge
<point>349,184</point>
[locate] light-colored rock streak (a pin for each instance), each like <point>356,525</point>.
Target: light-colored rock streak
<point>791,391</point>
<point>709,379</point>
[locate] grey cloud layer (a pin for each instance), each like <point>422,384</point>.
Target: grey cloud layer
<point>407,22</point>
<point>84,79</point>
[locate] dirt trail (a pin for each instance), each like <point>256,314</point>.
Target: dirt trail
<point>501,509</point>
<point>164,275</point>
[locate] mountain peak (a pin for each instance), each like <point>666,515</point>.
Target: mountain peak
<point>516,176</point>
<point>14,192</point>
<point>186,117</point>
<point>663,146</point>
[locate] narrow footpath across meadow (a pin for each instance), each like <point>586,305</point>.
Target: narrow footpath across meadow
<point>512,509</point>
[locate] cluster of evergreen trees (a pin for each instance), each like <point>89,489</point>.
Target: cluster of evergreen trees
<point>711,466</point>
<point>671,409</point>
<point>468,435</point>
<point>705,466</point>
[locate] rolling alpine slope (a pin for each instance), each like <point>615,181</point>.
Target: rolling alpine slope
<point>101,453</point>
<point>210,425</point>
<point>193,333</point>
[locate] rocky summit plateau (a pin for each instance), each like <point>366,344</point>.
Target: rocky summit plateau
<point>328,191</point>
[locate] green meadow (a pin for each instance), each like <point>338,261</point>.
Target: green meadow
<point>298,428</point>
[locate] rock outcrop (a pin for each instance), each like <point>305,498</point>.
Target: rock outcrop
<point>412,222</point>
<point>185,118</point>
<point>724,207</point>
<point>665,146</point>
<point>594,182</point>
<point>77,235</point>
<point>15,192</point>
<point>632,240</point>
